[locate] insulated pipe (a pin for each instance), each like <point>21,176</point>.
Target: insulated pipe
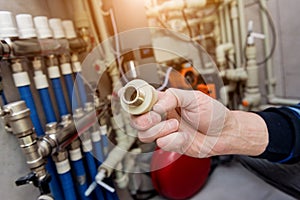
<point>79,79</point>
<point>97,146</point>
<point>54,75</point>
<point>78,168</point>
<point>22,82</point>
<point>41,84</point>
<point>67,74</point>
<point>87,148</point>
<point>64,171</point>
<point>95,137</point>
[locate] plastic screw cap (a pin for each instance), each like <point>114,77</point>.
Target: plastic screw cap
<point>42,27</point>
<point>7,25</point>
<point>57,28</point>
<point>25,26</point>
<point>69,29</point>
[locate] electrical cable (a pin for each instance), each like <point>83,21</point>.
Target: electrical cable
<point>274,38</point>
<point>166,81</point>
<point>273,29</point>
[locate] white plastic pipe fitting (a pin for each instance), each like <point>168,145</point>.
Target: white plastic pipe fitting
<point>137,97</point>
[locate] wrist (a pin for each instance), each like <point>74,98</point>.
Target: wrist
<point>247,133</point>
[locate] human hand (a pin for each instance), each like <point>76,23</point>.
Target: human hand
<point>199,126</point>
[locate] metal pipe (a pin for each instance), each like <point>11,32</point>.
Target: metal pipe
<point>17,115</point>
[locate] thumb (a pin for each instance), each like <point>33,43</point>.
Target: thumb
<point>174,98</point>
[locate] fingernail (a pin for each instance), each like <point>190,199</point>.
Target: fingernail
<point>155,117</point>
<point>158,108</point>
<point>173,124</point>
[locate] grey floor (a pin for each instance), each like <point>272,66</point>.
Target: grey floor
<point>234,182</point>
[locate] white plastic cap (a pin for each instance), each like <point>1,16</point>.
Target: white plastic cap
<point>7,25</point>
<point>57,28</point>
<point>42,27</point>
<point>69,29</point>
<point>25,26</point>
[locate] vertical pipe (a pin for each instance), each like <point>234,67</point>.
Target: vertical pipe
<point>97,146</point>
<point>79,80</point>
<point>270,77</point>
<point>41,84</point>
<point>54,76</point>
<point>67,74</point>
<point>222,24</point>
<point>78,168</point>
<point>243,27</point>
<point>55,187</point>
<point>227,23</point>
<point>236,34</point>
<point>22,82</point>
<point>64,171</point>
<point>87,149</point>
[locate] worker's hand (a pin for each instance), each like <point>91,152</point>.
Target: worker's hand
<point>192,123</point>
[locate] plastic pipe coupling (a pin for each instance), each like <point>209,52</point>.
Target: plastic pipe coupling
<point>137,97</point>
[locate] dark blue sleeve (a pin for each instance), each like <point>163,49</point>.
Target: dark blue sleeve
<point>284,134</point>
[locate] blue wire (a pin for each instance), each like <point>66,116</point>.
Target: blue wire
<point>81,89</point>
<point>59,96</point>
<point>54,183</point>
<point>26,95</point>
<point>47,105</point>
<point>93,172</point>
<point>70,86</point>
<point>80,175</point>
<point>68,186</point>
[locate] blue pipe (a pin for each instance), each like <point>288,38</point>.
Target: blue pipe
<point>70,86</point>
<point>68,186</point>
<point>47,105</point>
<point>81,89</point>
<point>4,100</point>
<point>54,183</point>
<point>59,96</point>
<point>93,172</point>
<point>26,95</point>
<point>80,175</point>
<point>97,146</point>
